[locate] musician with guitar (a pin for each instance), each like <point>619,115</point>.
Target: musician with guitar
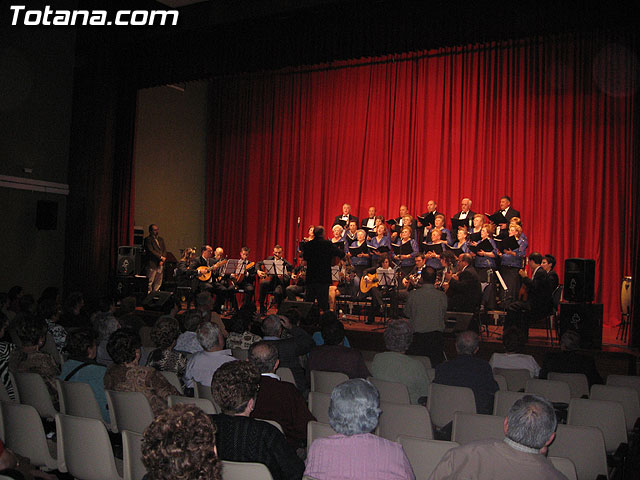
<point>276,281</point>
<point>244,279</point>
<point>207,266</point>
<point>370,284</point>
<point>156,256</point>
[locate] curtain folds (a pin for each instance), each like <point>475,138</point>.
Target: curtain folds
<point>548,121</point>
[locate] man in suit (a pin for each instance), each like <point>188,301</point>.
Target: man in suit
<point>319,254</point>
<point>539,302</point>
<point>369,222</point>
<point>507,212</point>
<point>346,217</point>
<point>430,215</point>
<point>464,290</point>
<point>156,255</point>
<point>278,400</point>
<point>464,215</point>
<point>272,283</point>
<point>299,342</point>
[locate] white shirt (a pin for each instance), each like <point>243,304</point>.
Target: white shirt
<point>515,360</point>
<point>203,365</point>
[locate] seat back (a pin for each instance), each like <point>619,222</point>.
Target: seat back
<point>632,381</point>
<point>129,410</point>
<point>245,471</point>
<point>33,391</point>
<point>203,404</point>
<point>402,419</point>
<point>285,375</point>
<point>132,466</point>
<point>565,467</point>
<point>457,321</point>
<point>77,399</point>
<point>516,377</point>
<point>319,405</point>
<point>431,373</point>
<point>86,448</point>
<point>606,415</point>
<point>469,427</point>
<point>318,430</point>
<point>626,396</point>
<point>584,446</point>
<point>503,400</point>
<point>202,391</point>
<point>423,454</point>
<point>24,434</point>
<point>393,392</point>
<point>445,400</point>
<point>240,353</point>
<point>501,381</point>
<point>426,361</point>
<point>172,378</point>
<point>578,384</point>
<point>325,382</point>
<point>553,390</point>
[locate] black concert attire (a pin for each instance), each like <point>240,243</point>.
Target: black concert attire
<point>297,289</point>
<point>274,284</point>
<point>508,213</point>
<point>248,285</point>
<point>538,305</point>
<point>468,219</point>
<point>344,221</point>
<point>319,255</point>
<point>465,294</point>
<point>185,274</point>
<point>377,299</point>
<point>199,285</point>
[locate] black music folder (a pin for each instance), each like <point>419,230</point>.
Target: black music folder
<point>456,223</point>
<point>380,249</point>
<point>497,218</point>
<point>341,222</point>
<point>428,219</point>
<point>339,245</point>
<point>509,243</point>
<point>355,250</point>
<point>455,251</point>
<point>403,249</point>
<point>485,245</point>
<point>475,237</point>
<point>436,248</point>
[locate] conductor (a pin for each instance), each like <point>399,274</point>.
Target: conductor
<point>319,254</point>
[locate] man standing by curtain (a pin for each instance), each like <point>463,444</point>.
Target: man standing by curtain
<point>156,255</point>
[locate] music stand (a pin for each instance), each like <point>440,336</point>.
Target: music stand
<point>232,266</point>
<point>274,267</point>
<point>335,273</point>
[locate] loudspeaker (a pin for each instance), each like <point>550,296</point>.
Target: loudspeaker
<point>584,318</point>
<point>129,260</point>
<point>579,279</point>
<point>309,311</point>
<point>46,215</point>
<point>159,302</point>
<point>131,285</point>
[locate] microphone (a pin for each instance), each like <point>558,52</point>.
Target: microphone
<point>298,220</point>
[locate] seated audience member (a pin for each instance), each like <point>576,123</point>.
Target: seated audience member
<point>105,325</point>
<point>325,319</point>
<point>127,305</point>
<point>426,309</point>
<point>529,429</point>
<point>81,366</point>
<point>467,370</point>
<point>5,351</point>
<point>188,340</point>
<point>299,342</point>
<point>17,467</point>
<point>568,360</point>
<point>181,443</point>
<point>240,438</point>
<point>395,366</point>
<point>335,357</point>
<point>164,335</point>
<point>202,365</point>
<point>29,358</point>
<point>126,375</point>
<point>49,311</point>
<point>513,358</point>
<point>355,452</point>
<point>204,303</point>
<point>239,334</point>
<point>278,400</point>
<point>72,315</point>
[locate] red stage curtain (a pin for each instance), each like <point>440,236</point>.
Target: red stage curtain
<point>548,121</point>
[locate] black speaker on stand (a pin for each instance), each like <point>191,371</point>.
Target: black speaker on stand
<point>585,319</point>
<point>579,279</point>
<point>129,260</point>
<point>309,311</point>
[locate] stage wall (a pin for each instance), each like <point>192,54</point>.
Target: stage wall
<point>548,121</point>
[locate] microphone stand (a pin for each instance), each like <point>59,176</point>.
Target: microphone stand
<point>295,258</point>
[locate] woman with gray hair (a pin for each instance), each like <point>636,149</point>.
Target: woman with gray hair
<point>395,366</point>
<point>356,453</point>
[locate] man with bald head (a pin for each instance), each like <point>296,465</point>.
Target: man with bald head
<point>464,217</point>
<point>278,400</point>
<point>429,217</point>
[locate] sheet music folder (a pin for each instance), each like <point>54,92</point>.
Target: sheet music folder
<point>274,267</point>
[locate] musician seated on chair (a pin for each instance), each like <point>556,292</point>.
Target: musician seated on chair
<point>298,277</point>
<point>370,283</point>
<point>245,280</point>
<point>276,281</point>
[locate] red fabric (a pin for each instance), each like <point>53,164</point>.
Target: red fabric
<point>547,121</point>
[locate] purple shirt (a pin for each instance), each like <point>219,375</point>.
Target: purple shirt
<point>364,456</point>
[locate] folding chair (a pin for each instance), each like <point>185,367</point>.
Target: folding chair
<point>401,419</point>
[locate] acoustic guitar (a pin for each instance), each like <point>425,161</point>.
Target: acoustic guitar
<point>367,282</point>
<point>204,273</point>
<point>240,278</point>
